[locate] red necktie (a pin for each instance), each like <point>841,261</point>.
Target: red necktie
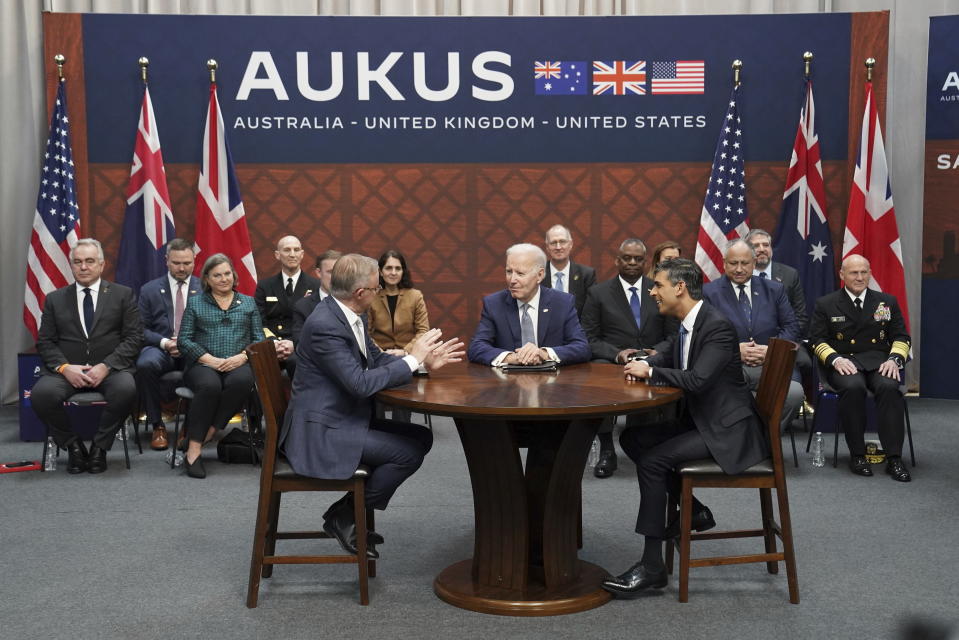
<point>178,308</point>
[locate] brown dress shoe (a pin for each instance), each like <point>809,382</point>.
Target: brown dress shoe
<point>159,441</point>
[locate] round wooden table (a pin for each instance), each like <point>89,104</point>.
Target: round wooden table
<point>527,523</point>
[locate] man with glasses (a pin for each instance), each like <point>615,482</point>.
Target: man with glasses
<point>330,428</point>
<point>622,321</point>
<point>562,273</point>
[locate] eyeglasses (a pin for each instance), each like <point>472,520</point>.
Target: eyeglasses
<point>559,243</point>
<point>375,289</point>
<point>636,259</point>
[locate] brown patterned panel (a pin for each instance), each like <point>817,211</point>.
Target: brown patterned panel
<point>453,222</point>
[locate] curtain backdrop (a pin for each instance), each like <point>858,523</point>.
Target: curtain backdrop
<point>23,120</point>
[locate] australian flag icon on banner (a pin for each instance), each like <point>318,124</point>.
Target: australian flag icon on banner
<point>556,78</point>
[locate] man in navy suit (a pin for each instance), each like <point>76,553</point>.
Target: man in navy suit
<point>759,310</point>
<point>161,304</point>
<point>719,418</point>
<point>527,323</point>
<point>329,429</point>
<point>562,273</point>
<point>621,320</point>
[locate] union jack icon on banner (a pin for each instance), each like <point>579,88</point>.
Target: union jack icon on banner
<point>547,69</point>
<point>619,77</point>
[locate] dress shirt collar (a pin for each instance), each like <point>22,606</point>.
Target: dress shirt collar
<point>749,289</point>
<point>173,282</point>
<point>93,287</point>
<point>768,271</point>
<point>853,297</point>
<point>638,284</point>
<point>351,315</point>
<point>295,276</point>
<point>533,305</point>
<point>690,320</point>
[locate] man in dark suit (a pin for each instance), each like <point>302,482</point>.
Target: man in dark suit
<point>621,319</point>
<point>562,273</point>
<point>719,418</point>
<point>527,323</point>
<point>276,295</point>
<point>161,304</point>
<point>860,336</point>
<point>758,309</point>
<point>304,306</point>
<point>90,335</point>
<point>329,429</point>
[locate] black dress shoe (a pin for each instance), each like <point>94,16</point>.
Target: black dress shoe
<point>702,521</point>
<point>373,537</point>
<point>98,460</point>
<point>339,523</point>
<point>195,469</point>
<point>897,470</point>
<point>607,464</point>
<point>77,457</point>
<point>635,582</point>
<point>859,466</point>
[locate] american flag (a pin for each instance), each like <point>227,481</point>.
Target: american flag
<point>220,218</point>
<point>678,77</point>
<point>724,215</point>
<point>871,229</point>
<point>56,220</point>
<point>802,237</point>
<point>619,77</point>
<point>148,222</point>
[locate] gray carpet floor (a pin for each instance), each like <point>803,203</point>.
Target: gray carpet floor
<point>150,553</point>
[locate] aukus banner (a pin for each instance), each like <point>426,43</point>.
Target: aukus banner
<point>940,273</point>
<point>336,90</point>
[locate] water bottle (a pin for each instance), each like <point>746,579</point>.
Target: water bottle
<point>122,432</point>
<point>177,460</point>
<point>593,457</point>
<point>818,456</point>
<point>50,457</point>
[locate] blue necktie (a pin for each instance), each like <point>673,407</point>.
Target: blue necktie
<point>762,274</point>
<point>634,305</point>
<point>559,281</point>
<point>682,341</point>
<point>526,326</point>
<point>745,305</point>
<point>87,310</point>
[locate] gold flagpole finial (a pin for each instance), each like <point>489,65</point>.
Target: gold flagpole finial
<point>60,59</point>
<point>144,62</point>
<point>807,61</point>
<point>870,63</point>
<point>211,65</point>
<point>737,69</point>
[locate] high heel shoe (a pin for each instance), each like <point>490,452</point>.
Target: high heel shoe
<point>194,469</point>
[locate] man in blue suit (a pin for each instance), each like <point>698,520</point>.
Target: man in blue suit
<point>759,310</point>
<point>527,323</point>
<point>329,429</point>
<point>161,303</point>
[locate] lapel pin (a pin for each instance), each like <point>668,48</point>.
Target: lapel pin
<point>545,310</point>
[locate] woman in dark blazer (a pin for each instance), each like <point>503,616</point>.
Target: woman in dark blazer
<point>667,250</point>
<point>398,315</point>
<point>217,325</point>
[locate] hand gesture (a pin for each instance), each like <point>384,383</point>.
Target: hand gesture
<point>450,351</point>
<point>637,370</point>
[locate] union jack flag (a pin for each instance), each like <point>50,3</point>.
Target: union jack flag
<point>547,69</point>
<point>802,237</point>
<point>56,220</point>
<point>724,216</point>
<point>220,218</point>
<point>871,229</point>
<point>619,77</point>
<point>148,221</point>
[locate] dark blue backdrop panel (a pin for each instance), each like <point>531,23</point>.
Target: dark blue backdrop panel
<point>675,128</point>
<point>940,349</point>
<point>942,91</point>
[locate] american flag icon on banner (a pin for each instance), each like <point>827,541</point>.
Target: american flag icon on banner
<point>619,77</point>
<point>678,77</point>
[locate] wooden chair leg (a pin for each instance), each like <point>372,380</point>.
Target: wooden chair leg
<point>789,554</point>
<point>371,526</point>
<point>176,431</point>
<point>905,409</point>
<point>685,523</point>
<point>124,436</point>
<point>259,542</point>
<point>272,527</point>
<point>359,515</point>
<point>769,532</point>
<point>671,512</point>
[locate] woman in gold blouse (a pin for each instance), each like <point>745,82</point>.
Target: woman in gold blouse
<point>398,315</point>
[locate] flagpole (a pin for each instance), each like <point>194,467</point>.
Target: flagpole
<point>807,61</point>
<point>870,63</point>
<point>211,65</point>
<point>737,68</point>
<point>144,62</point>
<point>60,59</point>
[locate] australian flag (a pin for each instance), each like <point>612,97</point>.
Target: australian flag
<point>556,78</point>
<point>148,222</point>
<point>802,237</point>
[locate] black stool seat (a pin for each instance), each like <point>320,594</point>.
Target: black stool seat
<point>708,466</point>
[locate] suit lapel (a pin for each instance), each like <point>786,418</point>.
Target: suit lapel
<point>512,319</point>
<point>166,297</point>
<point>73,297</point>
<point>619,296</point>
<point>103,299</point>
<point>543,318</point>
<point>697,335</point>
<point>341,317</point>
<point>729,294</point>
<point>575,278</point>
